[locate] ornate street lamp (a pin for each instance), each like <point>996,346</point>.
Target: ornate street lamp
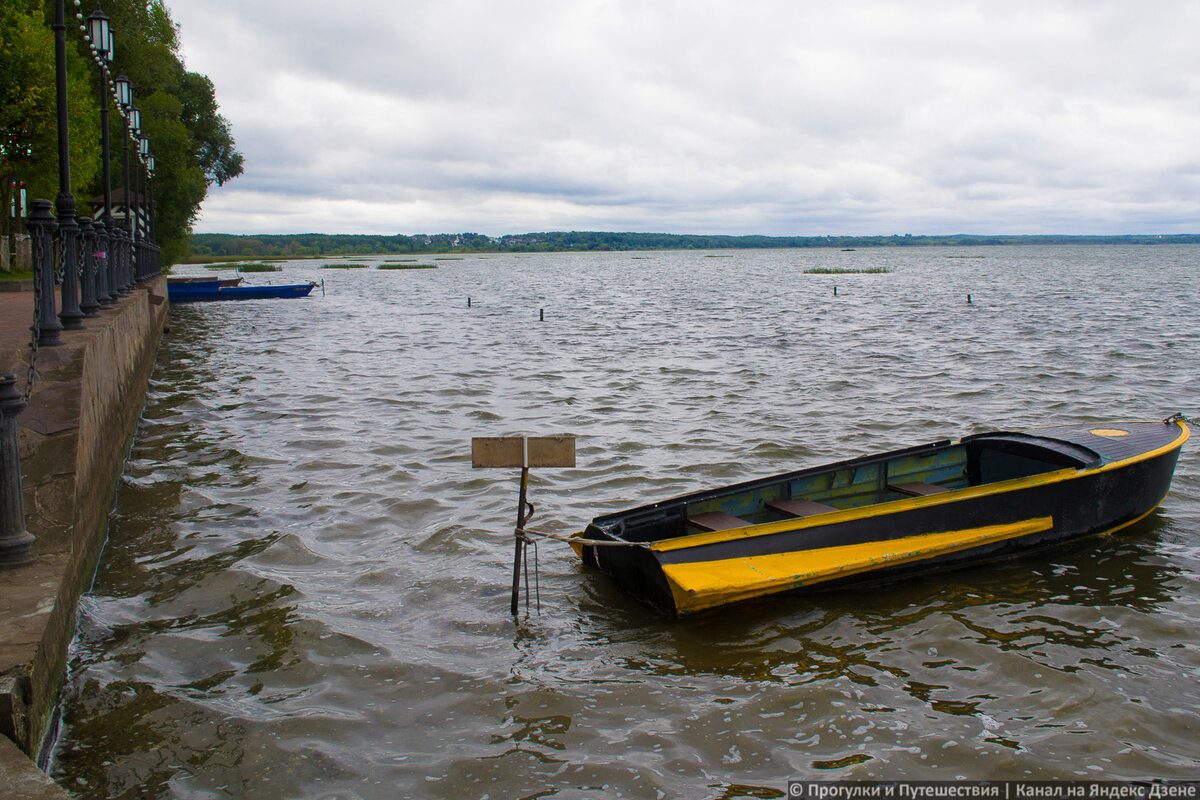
<point>68,228</point>
<point>143,251</point>
<point>150,192</point>
<point>124,90</point>
<point>134,115</point>
<point>125,100</point>
<point>100,32</point>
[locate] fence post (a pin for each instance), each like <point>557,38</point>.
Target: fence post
<point>104,292</point>
<point>68,244</point>
<point>42,224</point>
<point>120,246</point>
<point>16,543</point>
<point>89,304</point>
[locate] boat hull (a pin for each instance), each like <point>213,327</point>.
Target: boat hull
<point>202,282</point>
<point>1104,483</point>
<point>204,292</point>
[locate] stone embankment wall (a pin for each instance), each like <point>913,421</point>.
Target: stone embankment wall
<point>74,437</point>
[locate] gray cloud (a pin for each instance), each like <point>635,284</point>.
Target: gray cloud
<point>754,116</point>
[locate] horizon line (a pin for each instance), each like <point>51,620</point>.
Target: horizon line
<point>735,235</point>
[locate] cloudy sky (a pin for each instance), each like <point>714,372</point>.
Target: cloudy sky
<point>782,117</point>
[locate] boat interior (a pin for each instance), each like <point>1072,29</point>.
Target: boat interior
<point>930,469</point>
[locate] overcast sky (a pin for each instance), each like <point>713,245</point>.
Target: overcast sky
<point>782,117</point>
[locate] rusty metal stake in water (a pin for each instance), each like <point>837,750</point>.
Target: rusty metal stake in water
<point>519,540</point>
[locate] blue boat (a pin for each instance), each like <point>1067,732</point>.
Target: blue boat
<point>206,282</point>
<point>208,291</point>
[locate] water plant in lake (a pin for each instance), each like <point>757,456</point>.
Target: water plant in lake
<point>259,267</point>
<point>847,271</point>
<point>405,265</point>
<point>343,266</point>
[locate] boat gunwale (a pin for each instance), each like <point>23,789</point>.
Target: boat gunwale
<point>184,293</point>
<point>891,507</point>
<point>703,601</point>
<point>861,512</point>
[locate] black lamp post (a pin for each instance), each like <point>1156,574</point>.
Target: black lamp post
<point>139,224</point>
<point>125,100</point>
<point>68,228</point>
<point>134,115</point>
<point>100,33</point>
<point>150,194</point>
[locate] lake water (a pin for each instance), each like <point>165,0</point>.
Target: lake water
<point>305,589</point>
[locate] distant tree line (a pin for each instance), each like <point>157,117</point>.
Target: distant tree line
<point>222,245</point>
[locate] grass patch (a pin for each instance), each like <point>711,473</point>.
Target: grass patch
<point>406,265</point>
<point>847,271</point>
<point>195,260</point>
<point>259,267</point>
<point>16,276</point>
<point>343,266</point>
<point>214,260</point>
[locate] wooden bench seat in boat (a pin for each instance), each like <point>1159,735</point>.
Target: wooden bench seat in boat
<point>799,507</point>
<point>917,488</point>
<point>717,521</point>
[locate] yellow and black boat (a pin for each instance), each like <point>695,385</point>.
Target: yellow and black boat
<point>941,504</point>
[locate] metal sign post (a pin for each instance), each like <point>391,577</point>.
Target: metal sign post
<point>524,452</point>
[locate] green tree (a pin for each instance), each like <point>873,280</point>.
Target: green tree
<point>28,108</point>
<point>218,158</point>
<point>191,142</point>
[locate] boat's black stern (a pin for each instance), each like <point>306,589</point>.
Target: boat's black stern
<point>633,566</point>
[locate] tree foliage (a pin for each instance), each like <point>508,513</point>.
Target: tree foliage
<point>29,107</point>
<point>192,143</point>
<point>198,111</point>
<point>224,245</point>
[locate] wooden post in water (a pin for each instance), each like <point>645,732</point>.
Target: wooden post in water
<point>523,452</point>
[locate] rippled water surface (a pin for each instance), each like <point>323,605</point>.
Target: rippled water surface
<point>305,590</point>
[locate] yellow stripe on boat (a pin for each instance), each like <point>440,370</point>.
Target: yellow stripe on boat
<point>702,584</point>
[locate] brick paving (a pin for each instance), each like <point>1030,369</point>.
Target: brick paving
<point>16,320</point>
<point>16,324</point>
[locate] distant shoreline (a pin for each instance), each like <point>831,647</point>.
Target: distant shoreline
<point>211,247</point>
